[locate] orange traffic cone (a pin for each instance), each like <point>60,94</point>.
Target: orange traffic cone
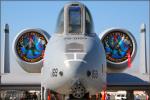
<point>103,95</point>
<point>49,95</point>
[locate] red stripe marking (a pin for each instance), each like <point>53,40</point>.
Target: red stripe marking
<point>129,59</point>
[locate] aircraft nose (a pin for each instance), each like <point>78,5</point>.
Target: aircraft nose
<point>76,69</point>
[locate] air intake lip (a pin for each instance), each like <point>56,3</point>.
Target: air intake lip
<point>119,45</point>
<point>28,48</point>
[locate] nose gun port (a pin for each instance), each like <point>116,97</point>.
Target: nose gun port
<point>78,90</point>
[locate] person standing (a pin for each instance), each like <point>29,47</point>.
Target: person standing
<point>35,96</point>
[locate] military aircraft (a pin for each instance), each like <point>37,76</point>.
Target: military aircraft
<point>74,60</point>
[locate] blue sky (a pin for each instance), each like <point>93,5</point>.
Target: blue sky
<point>43,14</point>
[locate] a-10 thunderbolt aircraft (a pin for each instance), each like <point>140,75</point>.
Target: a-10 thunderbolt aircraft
<point>74,60</point>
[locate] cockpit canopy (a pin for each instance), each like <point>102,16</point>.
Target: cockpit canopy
<point>74,18</point>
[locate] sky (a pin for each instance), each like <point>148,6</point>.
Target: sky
<point>43,14</point>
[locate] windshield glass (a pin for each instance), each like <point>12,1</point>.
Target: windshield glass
<point>74,19</point>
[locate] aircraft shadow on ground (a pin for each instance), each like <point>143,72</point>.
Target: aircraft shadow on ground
<point>124,79</point>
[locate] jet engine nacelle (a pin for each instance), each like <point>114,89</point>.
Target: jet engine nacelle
<point>120,48</point>
<point>28,48</point>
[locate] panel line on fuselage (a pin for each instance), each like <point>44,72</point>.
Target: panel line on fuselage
<point>75,57</point>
